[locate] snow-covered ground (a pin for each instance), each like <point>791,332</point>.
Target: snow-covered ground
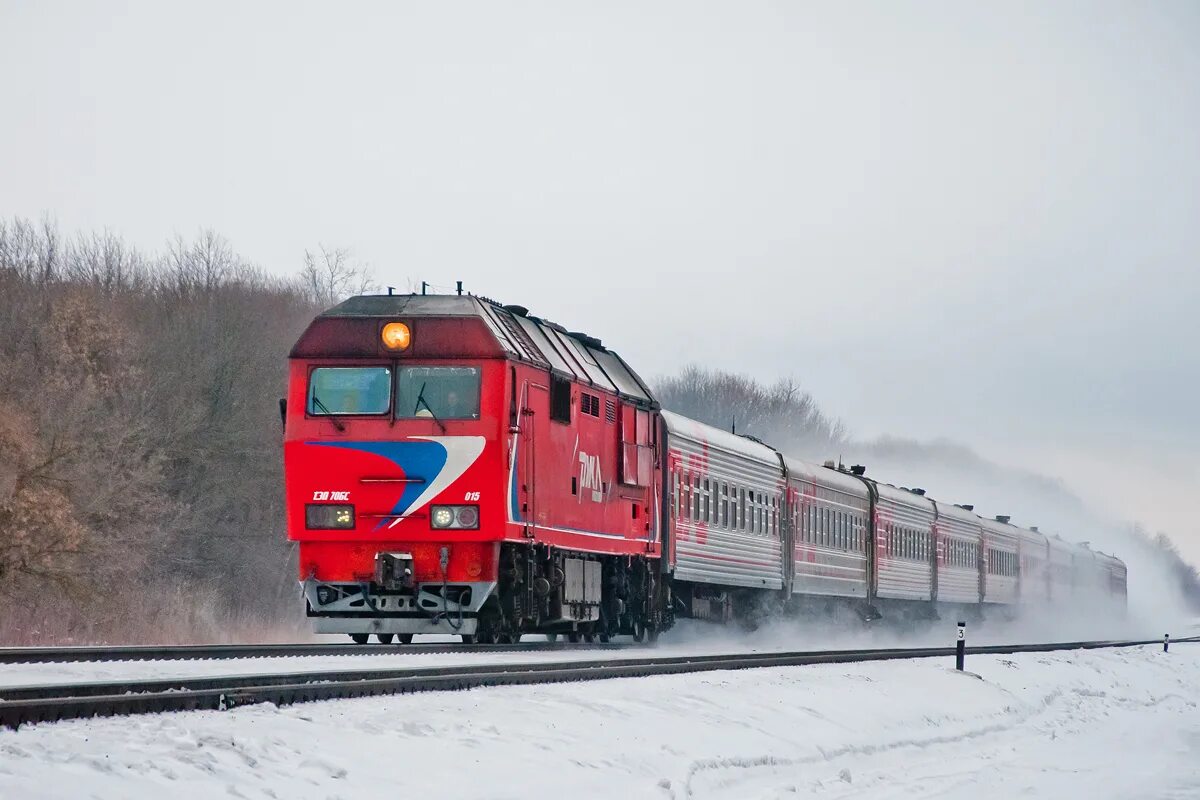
<point>1096,724</point>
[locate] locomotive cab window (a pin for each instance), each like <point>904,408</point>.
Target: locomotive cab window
<point>349,390</point>
<point>438,392</point>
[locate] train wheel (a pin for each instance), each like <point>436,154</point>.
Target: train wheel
<point>385,638</point>
<point>360,638</point>
<point>552,637</point>
<point>604,637</point>
<point>468,638</point>
<point>490,627</point>
<point>573,637</point>
<point>589,636</point>
<point>639,630</point>
<point>406,638</point>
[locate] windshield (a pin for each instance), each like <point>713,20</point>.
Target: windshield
<point>349,390</point>
<point>438,392</point>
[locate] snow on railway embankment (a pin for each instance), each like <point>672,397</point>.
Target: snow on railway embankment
<point>1097,724</point>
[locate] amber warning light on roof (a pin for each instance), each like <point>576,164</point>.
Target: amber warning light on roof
<point>396,336</point>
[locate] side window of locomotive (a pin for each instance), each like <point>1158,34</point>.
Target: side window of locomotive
<point>349,390</point>
<point>441,392</point>
<point>560,399</point>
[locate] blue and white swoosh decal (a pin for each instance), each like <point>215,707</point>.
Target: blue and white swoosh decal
<point>439,460</point>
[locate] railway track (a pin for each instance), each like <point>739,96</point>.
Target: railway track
<point>40,655</point>
<point>20,706</point>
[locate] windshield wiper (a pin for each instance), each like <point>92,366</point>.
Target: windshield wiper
<point>329,414</point>
<point>421,399</point>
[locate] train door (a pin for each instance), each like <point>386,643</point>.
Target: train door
<point>534,396</point>
<point>637,467</point>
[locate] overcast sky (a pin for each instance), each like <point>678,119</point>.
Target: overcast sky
<point>943,219</point>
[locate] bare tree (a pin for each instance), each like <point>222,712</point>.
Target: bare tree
<point>782,414</point>
<point>330,275</point>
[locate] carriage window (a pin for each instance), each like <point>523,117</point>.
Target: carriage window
<point>684,497</point>
<point>438,392</point>
<point>349,390</point>
<point>724,505</point>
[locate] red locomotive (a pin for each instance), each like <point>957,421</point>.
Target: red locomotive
<point>457,466</point>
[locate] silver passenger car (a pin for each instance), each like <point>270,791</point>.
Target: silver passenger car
<point>903,544</point>
<point>830,512</point>
<point>960,533</point>
<point>726,497</point>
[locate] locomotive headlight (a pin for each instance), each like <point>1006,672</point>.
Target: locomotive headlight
<point>454,517</point>
<point>467,517</point>
<point>396,336</point>
<point>328,517</point>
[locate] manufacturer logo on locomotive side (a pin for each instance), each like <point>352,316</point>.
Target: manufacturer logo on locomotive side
<point>590,477</point>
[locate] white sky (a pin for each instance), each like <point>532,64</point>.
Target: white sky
<point>943,219</point>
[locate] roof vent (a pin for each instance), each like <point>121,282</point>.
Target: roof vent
<point>858,469</point>
<point>830,465</point>
<point>1004,518</point>
<point>520,311</point>
<point>1034,528</point>
<point>919,491</point>
<point>966,506</point>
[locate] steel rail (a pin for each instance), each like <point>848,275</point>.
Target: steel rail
<point>41,655</point>
<point>19,706</point>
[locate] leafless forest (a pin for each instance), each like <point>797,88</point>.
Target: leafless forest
<point>140,460</point>
<point>141,481</point>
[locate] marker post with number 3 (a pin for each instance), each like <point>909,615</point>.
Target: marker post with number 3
<point>960,653</point>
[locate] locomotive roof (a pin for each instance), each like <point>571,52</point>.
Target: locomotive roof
<point>527,338</point>
<point>393,305</point>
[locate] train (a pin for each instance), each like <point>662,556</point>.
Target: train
<point>458,466</point>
